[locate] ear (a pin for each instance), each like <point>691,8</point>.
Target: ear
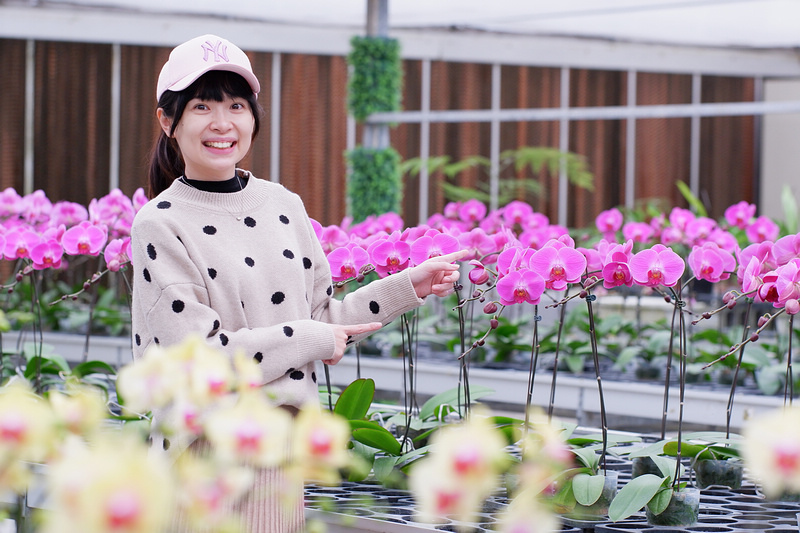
<point>164,121</point>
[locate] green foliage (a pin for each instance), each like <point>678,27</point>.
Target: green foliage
<point>789,203</point>
<point>376,78</point>
<point>694,202</point>
<point>374,186</point>
<point>533,159</point>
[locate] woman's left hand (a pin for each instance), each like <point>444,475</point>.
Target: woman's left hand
<point>436,275</point>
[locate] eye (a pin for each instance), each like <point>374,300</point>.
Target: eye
<point>238,105</point>
<point>201,106</point>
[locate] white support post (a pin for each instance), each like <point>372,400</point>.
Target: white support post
<point>494,149</point>
<point>275,121</point>
<point>30,107</point>
<point>630,145</point>
<point>563,146</point>
<point>694,150</point>
<point>424,142</point>
<point>116,99</point>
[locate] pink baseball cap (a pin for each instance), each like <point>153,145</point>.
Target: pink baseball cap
<point>192,59</point>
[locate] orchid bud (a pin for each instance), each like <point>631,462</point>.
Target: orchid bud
<point>481,342</point>
<point>583,294</point>
<point>490,308</point>
<point>754,337</point>
<point>762,321</point>
<point>731,304</point>
<point>476,293</point>
<point>727,297</point>
<point>493,323</point>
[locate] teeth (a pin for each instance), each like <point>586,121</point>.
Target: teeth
<point>219,144</point>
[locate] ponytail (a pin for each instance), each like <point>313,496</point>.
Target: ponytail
<point>166,165</point>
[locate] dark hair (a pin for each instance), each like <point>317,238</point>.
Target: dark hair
<point>166,161</point>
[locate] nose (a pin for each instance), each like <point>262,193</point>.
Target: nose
<point>220,119</point>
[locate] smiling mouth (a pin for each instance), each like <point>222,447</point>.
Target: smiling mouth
<point>212,144</point>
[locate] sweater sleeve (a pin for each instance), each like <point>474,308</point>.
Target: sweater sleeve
<point>170,302</point>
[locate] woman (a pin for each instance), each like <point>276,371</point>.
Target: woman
<point>221,253</point>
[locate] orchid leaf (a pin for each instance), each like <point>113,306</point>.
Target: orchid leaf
<point>789,209</point>
<point>380,439</point>
<point>451,397</point>
<point>92,367</point>
<point>587,489</point>
<point>695,203</point>
<point>354,402</point>
<point>659,503</point>
<point>634,496</point>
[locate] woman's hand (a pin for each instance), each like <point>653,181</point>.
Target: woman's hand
<point>342,334</point>
<point>436,275</point>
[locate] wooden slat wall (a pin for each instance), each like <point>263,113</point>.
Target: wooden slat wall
<point>72,124</point>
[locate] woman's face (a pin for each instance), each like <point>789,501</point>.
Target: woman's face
<point>213,136</point>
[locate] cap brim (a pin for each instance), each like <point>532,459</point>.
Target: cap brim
<point>187,80</point>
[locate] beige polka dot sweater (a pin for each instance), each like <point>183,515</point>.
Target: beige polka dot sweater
<point>245,270</point>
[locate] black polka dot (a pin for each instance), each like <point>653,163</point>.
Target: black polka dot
<point>241,302</point>
<point>164,205</point>
<point>288,254</point>
<point>209,230</point>
<point>329,290</point>
<point>165,444</point>
<point>314,377</point>
<point>149,440</point>
<point>284,219</point>
<point>349,339</point>
<point>138,339</point>
<point>249,222</point>
<point>146,274</point>
<point>151,251</point>
<point>179,239</point>
<point>223,339</point>
<point>216,325</point>
<point>249,261</point>
<point>155,340</point>
<point>178,306</point>
<point>306,263</point>
<point>258,357</point>
<point>297,375</point>
<point>278,297</point>
<point>374,307</point>
<point>288,331</point>
<point>212,273</point>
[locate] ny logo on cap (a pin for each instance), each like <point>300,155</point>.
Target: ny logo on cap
<point>219,50</point>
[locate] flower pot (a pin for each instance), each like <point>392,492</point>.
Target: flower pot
<point>644,465</point>
<point>719,472</point>
<point>682,510</point>
<point>599,509</point>
<point>647,370</point>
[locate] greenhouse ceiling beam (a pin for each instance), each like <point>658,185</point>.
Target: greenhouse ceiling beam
<point>591,113</point>
<point>169,29</point>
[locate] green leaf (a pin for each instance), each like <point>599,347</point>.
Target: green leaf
<point>694,202</point>
<point>92,367</point>
<point>587,457</point>
<point>698,451</point>
<point>452,397</point>
<point>659,503</point>
<point>381,439</point>
<point>587,489</point>
<point>383,467</point>
<point>634,496</point>
<point>354,402</point>
<point>628,354</point>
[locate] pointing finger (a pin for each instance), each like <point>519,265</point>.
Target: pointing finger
<point>358,329</point>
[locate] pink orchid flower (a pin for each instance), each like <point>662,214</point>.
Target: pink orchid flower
<point>609,222</point>
<point>47,254</point>
<point>711,263</point>
<point>513,258</point>
<point>724,239</point>
<point>594,261</point>
<point>788,282</point>
<point>478,275</point>
<point>520,286</point>
<point>19,242</point>
<point>36,207</point>
<point>117,253</point>
<point>558,264</point>
<point>451,209</point>
<point>786,248</point>
<point>493,222</point>
<point>616,271</point>
<point>740,214</point>
<point>68,213</point>
<point>763,251</point>
<point>472,211</point>
<point>332,237</point>
<point>477,242</point>
<point>655,266</point>
<point>768,291</point>
<point>699,229</point>
<point>671,235</point>
<point>10,203</point>
<point>84,239</point>
<point>534,238</point>
<point>138,199</point>
<point>680,218</point>
<point>763,229</point>
<point>388,222</point>
<point>346,262</point>
<point>429,246</point>
<point>389,256</point>
<point>637,232</point>
<point>517,212</point>
<point>752,279</point>
<point>536,221</point>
